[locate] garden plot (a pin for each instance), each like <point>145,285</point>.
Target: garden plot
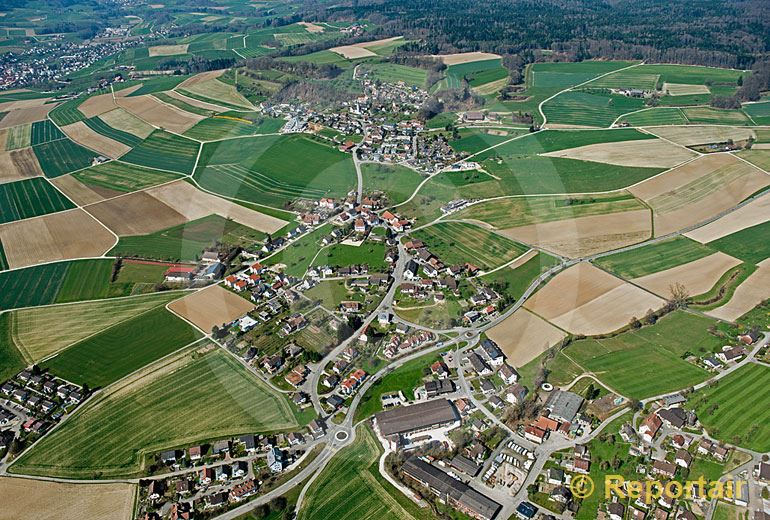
<point>695,135</point>
<point>699,190</point>
<point>586,235</point>
<point>586,300</point>
<point>97,105</point>
<point>194,204</point>
<point>212,306</point>
<point>644,153</point>
<point>127,122</point>
<point>753,213</point>
<point>523,336</point>
<point>60,236</point>
<point>84,135</point>
<point>753,291</point>
<point>136,214</point>
<point>19,164</point>
<point>28,498</point>
<point>159,114</point>
<point>697,277</point>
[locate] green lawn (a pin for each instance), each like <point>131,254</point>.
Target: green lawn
<point>60,157</point>
<point>330,293</point>
<point>473,140</point>
<point>657,116</point>
<point>186,242</point>
<point>298,255</point>
<point>750,244</point>
<point>393,73</point>
<point>124,177</point>
<point>165,151</point>
<point>89,280</point>
<point>30,198</point>
<point>115,352</point>
<point>342,255</point>
<point>111,436</point>
<point>396,181</point>
<point>351,487</point>
<point>659,348</point>
<point>458,243</point>
<point>274,170</point>
<point>220,127</point>
<point>655,257</point>
<point>729,409</point>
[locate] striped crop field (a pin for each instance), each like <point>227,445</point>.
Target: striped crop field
<point>30,198</point>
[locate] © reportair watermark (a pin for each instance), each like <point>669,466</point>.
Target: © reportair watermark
<point>649,491</point>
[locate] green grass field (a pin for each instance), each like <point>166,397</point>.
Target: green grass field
<point>351,487</point>
<point>729,409</point>
<point>123,177</point>
<point>110,437</point>
<point>60,157</point>
<point>298,255</point>
<point>3,259</point>
<point>187,107</point>
<point>758,112</point>
<point>44,132</point>
<point>186,242</point>
<point>221,127</point>
<point>750,244</point>
<point>715,116</point>
<point>513,282</point>
<point>89,280</point>
<point>657,116</point>
<point>628,79</point>
<point>589,108</point>
<point>19,137</point>
<point>689,74</point>
<point>165,151</point>
<point>273,170</point>
<point>522,211</point>
<point>115,352</point>
<point>759,158</point>
<point>393,73</point>
<point>458,242</point>
<point>158,84</point>
<point>477,73</point>
<point>30,198</point>
<point>11,360</point>
<point>40,332</point>
<point>654,258</point>
<point>100,127</point>
<point>658,348</point>
<point>396,181</point>
<point>473,140</point>
<point>67,113</point>
<point>342,255</point>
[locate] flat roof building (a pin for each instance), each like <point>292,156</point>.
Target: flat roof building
<point>408,420</point>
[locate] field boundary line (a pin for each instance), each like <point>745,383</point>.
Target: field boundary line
<point>525,253</point>
<point>645,130</point>
<point>80,301</point>
<point>734,154</point>
<point>233,199</point>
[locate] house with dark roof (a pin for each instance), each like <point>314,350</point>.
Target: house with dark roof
<point>406,423</point>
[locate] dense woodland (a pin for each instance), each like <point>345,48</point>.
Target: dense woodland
<point>707,32</point>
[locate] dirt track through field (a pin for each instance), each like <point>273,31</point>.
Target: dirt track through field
<point>523,336</point>
<point>753,213</point>
<point>194,102</point>
<point>642,153</point>
<point>83,134</point>
<point>698,276</point>
<point>212,306</point>
<point>586,300</point>
<point>753,291</point>
<point>60,236</point>
<point>28,498</point>
<point>699,190</point>
<point>583,236</point>
<point>194,204</point>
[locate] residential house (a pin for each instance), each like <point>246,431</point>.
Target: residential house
<point>508,374</point>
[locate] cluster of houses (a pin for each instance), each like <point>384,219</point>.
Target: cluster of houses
<point>209,269</point>
<point>38,399</point>
<point>727,356</point>
<point>486,360</point>
<point>400,344</point>
<point>561,414</point>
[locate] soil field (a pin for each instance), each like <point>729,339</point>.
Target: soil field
<point>127,122</point>
<point>84,135</point>
<point>586,300</point>
<point>119,177</point>
<point>79,192</point>
<point>159,114</point>
<point>753,291</point>
<point>19,164</point>
<point>26,115</point>
<point>101,359</point>
<point>753,213</point>
<point>698,277</point>
<point>30,198</point>
<point>60,236</point>
<point>100,127</point>
<point>42,332</point>
<point>153,411</point>
<point>682,89</point>
<point>97,105</point>
<point>136,214</point>
<point>27,498</point>
<point>647,153</point>
<point>586,235</point>
<point>201,78</point>
<point>694,135</point>
<point>466,57</point>
<point>217,92</point>
<point>194,102</point>
<point>168,50</point>
<point>699,190</point>
<point>759,156</point>
<point>194,204</point>
<point>523,336</point>
<point>213,306</point>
